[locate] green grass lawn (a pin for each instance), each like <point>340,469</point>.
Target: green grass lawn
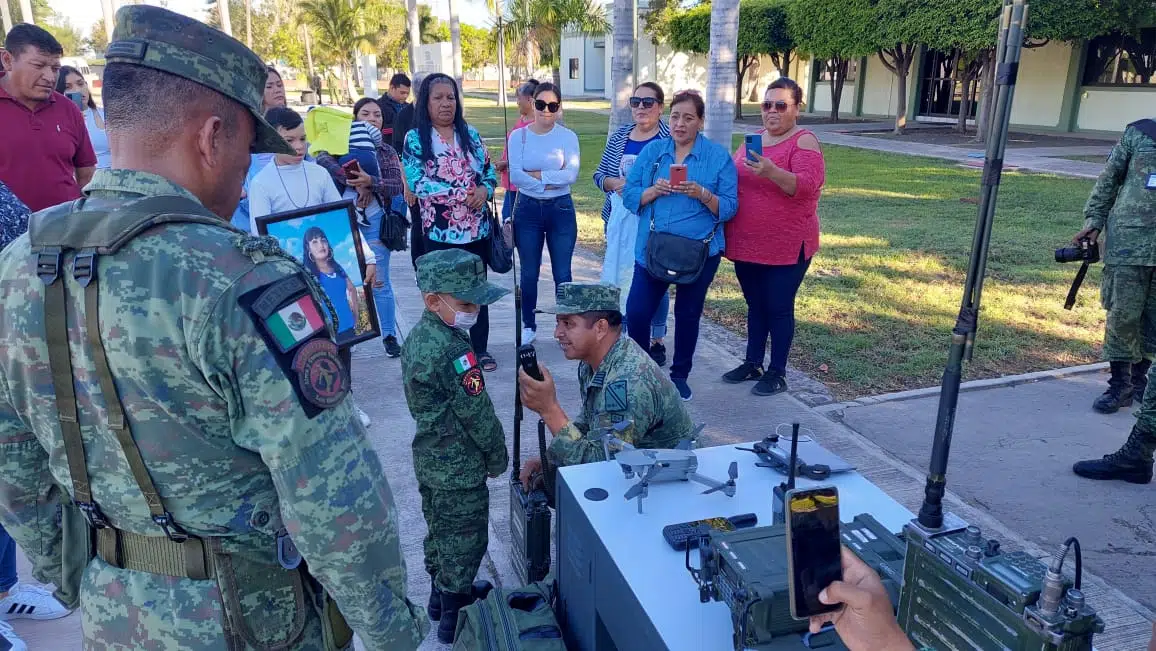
<point>882,295</point>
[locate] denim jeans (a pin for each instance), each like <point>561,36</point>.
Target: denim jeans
<point>382,296</point>
<point>645,295</point>
<point>770,294</point>
<point>7,561</point>
<point>554,223</point>
<point>508,200</point>
<point>658,323</point>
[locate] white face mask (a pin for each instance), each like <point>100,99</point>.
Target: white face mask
<point>462,320</point>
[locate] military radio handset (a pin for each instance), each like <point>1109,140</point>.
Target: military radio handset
<point>528,360</point>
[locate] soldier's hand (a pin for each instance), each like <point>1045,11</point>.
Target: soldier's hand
<point>532,466</point>
<point>866,621</point>
<point>1092,234</point>
<point>537,396</point>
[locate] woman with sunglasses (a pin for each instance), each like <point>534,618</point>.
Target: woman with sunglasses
<point>622,149</point>
<point>692,207</point>
<point>544,161</point>
<point>774,233</point>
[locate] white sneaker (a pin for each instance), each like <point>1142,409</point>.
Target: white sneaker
<point>528,335</point>
<point>9,640</point>
<point>362,416</point>
<point>31,602</point>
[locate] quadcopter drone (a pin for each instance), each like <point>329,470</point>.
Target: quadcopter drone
<point>662,465</point>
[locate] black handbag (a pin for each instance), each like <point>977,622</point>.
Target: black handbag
<point>501,253</point>
<point>673,258</point>
<point>394,226</point>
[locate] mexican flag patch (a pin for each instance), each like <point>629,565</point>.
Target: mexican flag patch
<point>295,322</point>
<point>465,363</point>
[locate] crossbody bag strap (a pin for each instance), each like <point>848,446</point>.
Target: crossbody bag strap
<point>653,176</point>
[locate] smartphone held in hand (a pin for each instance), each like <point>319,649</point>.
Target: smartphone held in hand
<point>754,145</point>
<point>677,175</point>
<point>814,558</point>
<point>351,167</point>
<point>78,99</point>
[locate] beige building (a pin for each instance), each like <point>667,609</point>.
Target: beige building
<point>1098,86</point>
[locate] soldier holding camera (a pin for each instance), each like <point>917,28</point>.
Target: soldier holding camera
<point>1123,204</point>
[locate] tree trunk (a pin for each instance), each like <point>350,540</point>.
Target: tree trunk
<point>26,12</point>
<point>987,98</point>
<point>222,9</point>
<point>109,18</point>
<point>838,76</point>
<point>249,24</point>
<point>622,62</point>
<point>902,69</point>
<point>309,55</point>
<point>742,65</point>
<point>413,27</point>
<point>503,80</point>
<point>456,43</point>
<point>756,68</point>
<point>721,71</point>
<point>6,14</point>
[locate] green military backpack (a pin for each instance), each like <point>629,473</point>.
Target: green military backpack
<point>521,619</point>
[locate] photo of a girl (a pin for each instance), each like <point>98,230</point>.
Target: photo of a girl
<point>317,255</point>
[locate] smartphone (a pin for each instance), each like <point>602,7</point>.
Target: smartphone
<point>77,98</point>
<point>351,166</point>
<point>813,548</point>
<point>754,143</point>
<point>528,360</point>
<point>677,174</point>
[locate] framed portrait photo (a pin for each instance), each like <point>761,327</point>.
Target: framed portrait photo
<point>326,240</point>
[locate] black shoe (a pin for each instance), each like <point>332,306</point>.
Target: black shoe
<point>1119,393</point>
<point>771,383</point>
<point>658,354</point>
<point>434,607</point>
<point>392,349</point>
<point>746,371</point>
<point>1131,463</point>
<point>1140,378</point>
<point>448,624</point>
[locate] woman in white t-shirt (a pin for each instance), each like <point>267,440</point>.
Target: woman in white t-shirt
<point>292,183</point>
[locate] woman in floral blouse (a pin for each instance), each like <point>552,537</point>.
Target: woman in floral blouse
<point>448,169</point>
<point>13,216</point>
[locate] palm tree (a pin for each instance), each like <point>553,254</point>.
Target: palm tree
<point>342,31</point>
<point>413,28</point>
<point>498,27</point>
<point>622,62</point>
<point>456,41</point>
<point>226,21</point>
<point>721,71</point>
<point>541,23</point>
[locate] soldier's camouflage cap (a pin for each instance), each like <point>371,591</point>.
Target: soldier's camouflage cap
<point>458,273</point>
<point>170,42</point>
<point>579,298</point>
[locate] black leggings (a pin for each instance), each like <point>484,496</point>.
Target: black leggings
<point>770,294</point>
<point>480,333</point>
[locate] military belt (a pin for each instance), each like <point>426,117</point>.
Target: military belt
<point>191,559</point>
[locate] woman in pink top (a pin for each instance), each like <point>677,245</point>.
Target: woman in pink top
<point>525,117</point>
<point>774,233</point>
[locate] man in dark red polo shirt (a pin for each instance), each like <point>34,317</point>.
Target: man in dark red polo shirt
<point>45,154</point>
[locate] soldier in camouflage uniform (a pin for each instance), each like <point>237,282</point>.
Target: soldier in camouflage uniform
<point>176,418</point>
<point>1124,200</point>
<point>459,440</point>
<point>619,382</point>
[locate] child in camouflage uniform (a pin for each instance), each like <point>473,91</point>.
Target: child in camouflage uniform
<point>459,439</point>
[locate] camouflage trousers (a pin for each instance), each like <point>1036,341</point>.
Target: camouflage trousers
<point>1128,293</point>
<point>458,522</point>
<point>1145,413</point>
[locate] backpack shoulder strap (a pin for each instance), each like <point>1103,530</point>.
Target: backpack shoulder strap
<point>1146,127</point>
<point>106,231</point>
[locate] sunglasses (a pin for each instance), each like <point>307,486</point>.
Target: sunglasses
<point>551,107</point>
<point>779,106</point>
<point>644,102</point>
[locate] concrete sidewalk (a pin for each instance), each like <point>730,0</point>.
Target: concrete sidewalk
<point>732,415</point>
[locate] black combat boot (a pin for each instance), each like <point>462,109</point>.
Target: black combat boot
<point>434,607</point>
<point>1119,393</point>
<point>1140,378</point>
<point>1131,463</point>
<point>452,602</point>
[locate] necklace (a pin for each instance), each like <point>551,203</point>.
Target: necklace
<point>289,195</point>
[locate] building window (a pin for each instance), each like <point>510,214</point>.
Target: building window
<point>573,68</point>
<point>824,71</point>
<point>1122,60</point>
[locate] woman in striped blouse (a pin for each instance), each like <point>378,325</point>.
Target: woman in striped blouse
<point>622,148</point>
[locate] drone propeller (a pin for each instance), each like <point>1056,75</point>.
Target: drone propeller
<point>639,489</point>
<point>729,485</point>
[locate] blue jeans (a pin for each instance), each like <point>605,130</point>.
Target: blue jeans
<point>382,296</point>
<point>7,561</point>
<point>554,223</point>
<point>658,323</point>
<point>645,295</point>
<point>508,200</point>
<point>770,293</point>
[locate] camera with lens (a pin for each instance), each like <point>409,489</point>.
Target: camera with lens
<point>1087,251</point>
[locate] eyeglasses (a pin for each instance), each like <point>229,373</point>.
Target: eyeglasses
<point>551,107</point>
<point>779,106</point>
<point>644,102</point>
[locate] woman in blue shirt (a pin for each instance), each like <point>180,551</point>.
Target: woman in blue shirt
<point>694,209</point>
<point>69,80</point>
